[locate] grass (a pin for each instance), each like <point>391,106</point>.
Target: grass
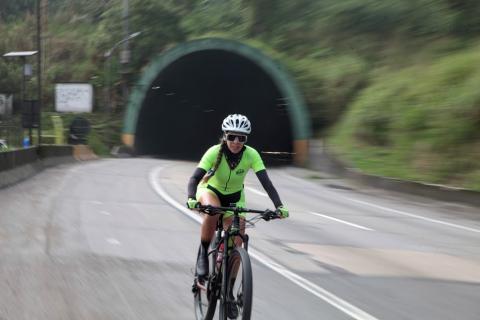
<point>420,123</point>
<point>314,176</point>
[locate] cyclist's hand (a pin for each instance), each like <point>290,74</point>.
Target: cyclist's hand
<point>192,203</point>
<point>282,211</point>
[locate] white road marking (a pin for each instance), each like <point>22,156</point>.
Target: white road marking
<point>414,215</point>
<point>105,213</point>
<point>341,221</point>
<point>257,191</point>
<point>316,290</point>
<point>113,241</point>
<point>311,287</point>
<point>96,202</point>
<point>453,225</point>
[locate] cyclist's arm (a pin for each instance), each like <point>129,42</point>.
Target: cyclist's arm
<point>269,188</point>
<point>205,164</point>
<point>194,180</point>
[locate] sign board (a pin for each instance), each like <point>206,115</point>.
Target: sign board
<point>73,97</point>
<point>6,102</point>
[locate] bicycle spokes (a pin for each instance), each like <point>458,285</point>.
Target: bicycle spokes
<point>239,295</point>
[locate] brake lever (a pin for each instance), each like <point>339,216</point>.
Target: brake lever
<point>212,211</point>
<point>269,215</point>
<point>205,209</point>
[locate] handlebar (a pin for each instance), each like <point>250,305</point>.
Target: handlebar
<point>266,214</point>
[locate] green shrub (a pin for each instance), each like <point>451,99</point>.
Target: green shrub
<point>427,116</point>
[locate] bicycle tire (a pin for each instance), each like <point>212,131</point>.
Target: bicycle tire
<point>239,273</point>
<point>206,302</point>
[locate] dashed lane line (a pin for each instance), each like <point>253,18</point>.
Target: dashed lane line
<point>341,221</point>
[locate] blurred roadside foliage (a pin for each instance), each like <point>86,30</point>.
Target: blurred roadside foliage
<point>315,38</point>
<point>207,17</point>
<point>419,123</point>
<point>104,131</point>
<point>394,83</point>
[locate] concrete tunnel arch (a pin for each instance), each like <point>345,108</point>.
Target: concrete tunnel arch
<point>176,108</point>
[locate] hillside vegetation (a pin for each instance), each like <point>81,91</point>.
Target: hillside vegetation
<point>418,123</point>
<point>392,85</point>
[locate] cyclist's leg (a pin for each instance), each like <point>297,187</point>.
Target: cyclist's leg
<point>207,230</point>
<point>207,197</point>
<point>205,299</point>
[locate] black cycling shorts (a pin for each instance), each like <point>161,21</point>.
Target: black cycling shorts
<point>227,200</point>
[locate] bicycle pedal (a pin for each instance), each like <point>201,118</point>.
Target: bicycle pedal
<point>194,288</point>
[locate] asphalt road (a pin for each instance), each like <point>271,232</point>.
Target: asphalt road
<point>109,239</point>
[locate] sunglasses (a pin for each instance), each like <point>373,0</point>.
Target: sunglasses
<point>232,137</point>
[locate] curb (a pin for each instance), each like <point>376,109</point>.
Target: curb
<point>323,160</point>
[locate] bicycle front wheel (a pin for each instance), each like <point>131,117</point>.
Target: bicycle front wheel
<point>238,302</point>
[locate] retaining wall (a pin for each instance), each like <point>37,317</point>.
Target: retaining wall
<point>21,164</point>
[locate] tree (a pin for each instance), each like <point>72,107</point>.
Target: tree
<point>11,9</point>
<point>468,16</point>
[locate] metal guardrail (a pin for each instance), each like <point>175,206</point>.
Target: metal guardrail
<point>11,135</point>
<point>12,159</point>
<point>20,164</point>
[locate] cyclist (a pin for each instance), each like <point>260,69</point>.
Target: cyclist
<point>218,181</point>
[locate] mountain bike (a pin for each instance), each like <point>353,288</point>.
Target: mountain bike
<point>229,281</point>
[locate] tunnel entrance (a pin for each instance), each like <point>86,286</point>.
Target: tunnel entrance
<point>177,107</point>
<point>184,108</point>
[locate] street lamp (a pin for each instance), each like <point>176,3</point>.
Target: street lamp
<point>27,71</point>
<point>27,68</point>
<point>124,58</point>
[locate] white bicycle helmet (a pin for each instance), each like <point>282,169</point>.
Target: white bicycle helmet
<point>237,123</point>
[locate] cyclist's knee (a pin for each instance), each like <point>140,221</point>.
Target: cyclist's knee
<point>208,198</point>
<point>210,220</point>
<point>205,199</point>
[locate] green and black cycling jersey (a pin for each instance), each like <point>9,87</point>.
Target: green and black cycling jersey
<point>231,172</point>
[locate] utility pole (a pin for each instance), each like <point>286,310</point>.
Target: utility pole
<point>39,70</point>
<point>24,95</point>
<point>125,54</point>
<point>125,26</point>
<point>45,35</point>
<point>106,67</point>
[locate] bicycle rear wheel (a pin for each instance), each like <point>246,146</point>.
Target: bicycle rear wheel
<point>205,299</point>
<point>239,287</point>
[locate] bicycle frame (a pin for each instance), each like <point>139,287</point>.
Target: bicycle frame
<point>228,240</point>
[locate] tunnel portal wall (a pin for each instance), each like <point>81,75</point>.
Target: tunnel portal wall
<point>168,71</point>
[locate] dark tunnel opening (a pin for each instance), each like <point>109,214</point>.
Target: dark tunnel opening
<point>182,113</point>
